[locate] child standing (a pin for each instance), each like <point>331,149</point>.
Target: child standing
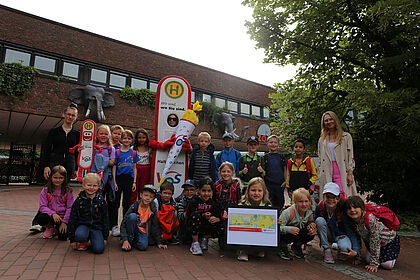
<point>167,213</point>
<point>301,170</point>
<point>251,165</point>
<point>188,193</point>
<point>275,165</point>
<point>202,162</point>
<point>89,217</point>
<point>203,217</point>
<point>256,196</point>
<point>297,225</point>
<point>382,242</point>
<point>332,225</point>
<point>124,172</point>
<point>141,146</point>
<point>140,222</point>
<point>228,154</point>
<point>228,188</point>
<point>55,204</point>
<point>116,132</point>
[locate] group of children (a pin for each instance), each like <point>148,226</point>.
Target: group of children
<point>122,168</point>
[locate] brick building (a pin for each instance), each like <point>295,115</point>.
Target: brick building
<point>80,57</point>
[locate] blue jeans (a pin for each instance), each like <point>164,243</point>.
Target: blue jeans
<point>136,237</point>
<point>325,236</point>
<point>84,233</point>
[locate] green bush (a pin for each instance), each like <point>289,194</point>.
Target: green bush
<point>144,97</point>
<point>16,79</point>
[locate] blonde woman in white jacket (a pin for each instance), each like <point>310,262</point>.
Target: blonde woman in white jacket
<point>335,152</point>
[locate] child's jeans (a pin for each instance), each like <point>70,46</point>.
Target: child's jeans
<point>136,237</point>
<point>124,183</point>
<point>325,236</point>
<point>84,233</point>
<point>276,194</point>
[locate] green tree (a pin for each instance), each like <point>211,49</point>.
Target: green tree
<point>361,60</point>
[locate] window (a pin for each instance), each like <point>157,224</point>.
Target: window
<point>153,86</point>
<point>245,109</point>
<point>70,70</point>
<point>137,83</point>
<point>219,102</point>
<point>98,76</point>
<point>232,106</point>
<point>18,57</point>
<point>117,80</point>
<point>256,111</point>
<point>206,98</point>
<point>193,97</point>
<point>266,113</point>
<point>44,64</point>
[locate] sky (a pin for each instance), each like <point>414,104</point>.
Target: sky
<point>208,33</point>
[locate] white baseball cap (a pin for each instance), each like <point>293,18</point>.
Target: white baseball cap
<point>331,188</point>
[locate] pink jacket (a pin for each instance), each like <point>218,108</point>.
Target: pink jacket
<point>57,204</point>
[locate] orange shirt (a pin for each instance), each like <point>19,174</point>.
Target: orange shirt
<point>143,217</point>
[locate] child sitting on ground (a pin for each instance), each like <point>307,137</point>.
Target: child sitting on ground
<point>55,204</point>
<point>256,196</point>
<point>297,225</point>
<point>167,213</point>
<point>188,193</point>
<point>204,217</point>
<point>141,222</point>
<point>89,217</point>
<point>332,225</point>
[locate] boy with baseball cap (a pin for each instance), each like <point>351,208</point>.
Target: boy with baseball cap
<point>251,165</point>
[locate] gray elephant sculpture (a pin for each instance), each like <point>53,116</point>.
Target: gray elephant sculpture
<point>95,98</point>
<point>226,123</point>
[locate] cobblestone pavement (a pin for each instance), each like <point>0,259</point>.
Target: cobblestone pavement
<point>28,256</point>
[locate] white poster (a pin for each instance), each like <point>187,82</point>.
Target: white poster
<point>252,226</point>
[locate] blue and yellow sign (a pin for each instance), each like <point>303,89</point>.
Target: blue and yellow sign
<point>174,89</point>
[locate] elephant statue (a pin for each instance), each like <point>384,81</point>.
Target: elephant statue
<point>226,124</point>
<point>95,98</point>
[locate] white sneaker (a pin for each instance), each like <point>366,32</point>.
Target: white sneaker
<point>35,228</point>
<point>334,246</point>
<point>115,231</point>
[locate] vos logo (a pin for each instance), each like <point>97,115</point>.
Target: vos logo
<point>86,158</point>
<point>172,176</point>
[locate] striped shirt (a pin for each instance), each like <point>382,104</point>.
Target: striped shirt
<point>202,165</point>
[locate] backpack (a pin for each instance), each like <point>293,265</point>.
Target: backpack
<point>168,220</point>
<point>63,197</point>
<point>321,210</point>
<point>385,215</point>
<point>293,214</point>
<point>134,154</point>
<point>307,163</point>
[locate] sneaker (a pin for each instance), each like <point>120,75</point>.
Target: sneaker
<point>242,256</point>
<point>82,246</point>
<point>35,228</point>
<point>297,251</point>
<point>261,254</point>
<point>49,233</point>
<point>173,241</point>
<point>285,254</point>
<point>115,231</point>
<point>334,246</point>
<point>204,244</point>
<point>328,257</point>
<point>195,249</point>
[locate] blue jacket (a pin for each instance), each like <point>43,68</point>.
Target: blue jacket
<point>210,152</point>
<point>90,212</point>
<point>232,156</point>
<point>338,225</point>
